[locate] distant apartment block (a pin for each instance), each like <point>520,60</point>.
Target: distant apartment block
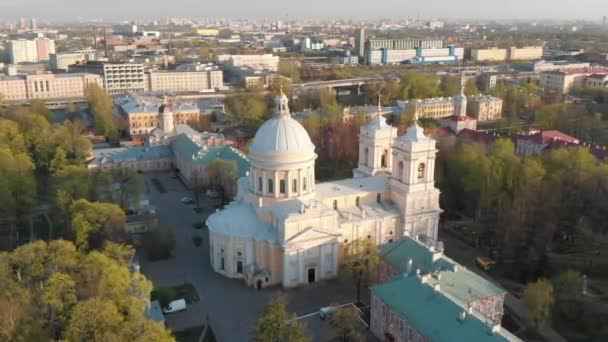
<point>185,81</point>
<point>488,55</point>
<point>61,61</point>
<point>118,78</point>
<point>542,66</point>
<point>450,54</point>
<point>563,81</point>
<point>46,86</point>
<point>482,107</point>
<point>403,44</point>
<point>258,62</point>
<point>31,51</point>
<point>142,113</point>
<point>512,53</point>
<point>597,80</point>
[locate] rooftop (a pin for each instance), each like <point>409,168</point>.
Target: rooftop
<point>351,187</point>
<point>127,154</point>
<point>433,314</point>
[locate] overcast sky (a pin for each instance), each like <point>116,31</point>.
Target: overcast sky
<point>323,9</point>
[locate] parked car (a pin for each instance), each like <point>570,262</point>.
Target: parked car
<point>213,193</point>
<point>175,306</point>
<point>187,200</point>
<point>326,312</point>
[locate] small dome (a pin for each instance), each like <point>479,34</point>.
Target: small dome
<point>282,135</point>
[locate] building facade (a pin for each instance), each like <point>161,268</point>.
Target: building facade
<point>23,50</point>
<point>512,53</point>
<point>484,107</point>
<point>185,81</point>
<point>563,81</point>
<point>118,78</point>
<point>142,113</point>
<point>47,86</point>
<point>284,228</point>
<point>258,62</point>
<point>61,61</point>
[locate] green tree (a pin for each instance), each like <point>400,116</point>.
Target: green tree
<point>95,222</point>
<point>59,295</point>
<point>277,325</point>
<point>101,107</point>
<point>539,300</point>
<point>222,176</point>
<point>95,320</point>
<point>346,322</point>
<point>249,107</point>
<point>360,256</point>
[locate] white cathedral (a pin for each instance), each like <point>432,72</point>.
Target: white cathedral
<point>284,228</point>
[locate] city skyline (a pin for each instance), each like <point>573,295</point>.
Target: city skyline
<point>314,9</point>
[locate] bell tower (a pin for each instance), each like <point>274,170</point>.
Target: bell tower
<point>375,151</point>
<point>413,182</point>
<point>165,120</point>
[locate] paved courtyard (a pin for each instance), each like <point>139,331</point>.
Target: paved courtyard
<point>230,306</point>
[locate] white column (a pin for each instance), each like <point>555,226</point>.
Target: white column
<point>335,256</point>
<point>275,182</point>
<point>322,269</point>
<point>264,183</point>
<point>288,183</point>
<point>300,267</point>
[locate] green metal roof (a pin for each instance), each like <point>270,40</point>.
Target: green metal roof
<point>184,146</point>
<point>433,314</point>
<point>463,285</point>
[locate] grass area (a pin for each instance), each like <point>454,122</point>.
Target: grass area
<point>168,294</point>
<point>158,185</point>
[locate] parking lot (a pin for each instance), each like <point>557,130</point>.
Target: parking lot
<point>230,306</point>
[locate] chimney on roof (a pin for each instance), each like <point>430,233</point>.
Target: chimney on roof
<point>494,329</point>
<point>410,264</point>
<point>462,316</point>
<point>436,288</point>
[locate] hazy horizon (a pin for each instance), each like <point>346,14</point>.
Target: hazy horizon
<point>64,10</point>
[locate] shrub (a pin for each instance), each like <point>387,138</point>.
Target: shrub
<point>159,245</point>
<point>197,240</point>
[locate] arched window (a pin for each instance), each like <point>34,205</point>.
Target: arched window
<point>379,197</point>
<point>357,201</point>
<point>335,204</point>
<point>421,168</point>
<point>304,184</point>
<point>384,161</point>
<point>270,186</point>
<point>367,156</point>
<point>282,186</point>
<point>260,184</point>
<point>294,185</point>
<point>400,170</point>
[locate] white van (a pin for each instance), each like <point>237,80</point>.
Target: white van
<point>175,306</point>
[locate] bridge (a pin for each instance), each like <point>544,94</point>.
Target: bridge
<point>345,83</point>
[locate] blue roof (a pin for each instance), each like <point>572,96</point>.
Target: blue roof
<point>433,314</point>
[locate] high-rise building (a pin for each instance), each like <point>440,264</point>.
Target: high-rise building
<point>360,42</point>
<point>32,51</point>
<point>44,48</point>
<point>33,24</point>
<point>23,50</point>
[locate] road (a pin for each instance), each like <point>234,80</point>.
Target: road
<point>231,307</point>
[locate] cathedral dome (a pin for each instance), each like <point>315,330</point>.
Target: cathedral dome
<point>282,138</point>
